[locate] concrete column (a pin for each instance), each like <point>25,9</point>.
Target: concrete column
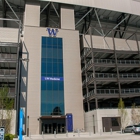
<point>67,20</point>
<point>32,13</point>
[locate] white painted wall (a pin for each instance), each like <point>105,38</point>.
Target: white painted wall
<point>9,35</point>
<point>67,17</point>
<point>107,43</point>
<point>99,113</point>
<point>32,14</point>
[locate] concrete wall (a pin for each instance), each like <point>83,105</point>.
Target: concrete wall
<point>107,43</point>
<point>126,6</point>
<point>72,75</point>
<point>98,114</point>
<point>9,35</point>
<point>32,13</point>
<point>67,17</point>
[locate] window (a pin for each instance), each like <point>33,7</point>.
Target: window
<point>52,84</point>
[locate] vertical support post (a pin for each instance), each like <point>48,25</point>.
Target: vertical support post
<point>86,82</point>
<point>21,124</point>
<point>116,63</point>
<point>93,68</point>
<point>137,45</point>
<point>67,133</point>
<point>100,132</point>
<point>42,135</point>
<point>90,132</point>
<point>121,130</point>
<point>27,126</point>
<point>110,131</point>
<point>17,89</point>
<point>104,129</point>
<point>55,134</point>
<point>30,135</point>
<point>78,133</point>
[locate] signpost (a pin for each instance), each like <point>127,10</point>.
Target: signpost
<point>20,124</point>
<point>2,131</point>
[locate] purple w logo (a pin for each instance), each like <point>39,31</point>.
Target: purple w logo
<point>52,32</point>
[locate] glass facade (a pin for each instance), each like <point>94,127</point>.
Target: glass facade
<point>52,83</point>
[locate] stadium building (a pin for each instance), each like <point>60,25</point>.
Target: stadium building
<point>64,58</point>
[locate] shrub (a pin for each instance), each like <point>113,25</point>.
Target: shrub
<point>9,137</point>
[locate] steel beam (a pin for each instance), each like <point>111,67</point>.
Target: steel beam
<point>99,21</point>
<point>48,15</point>
<point>4,12</point>
<point>126,24</point>
<point>55,10</point>
<point>12,9</point>
<point>83,17</point>
<point>117,25</point>
<point>54,22</point>
<point>45,7</point>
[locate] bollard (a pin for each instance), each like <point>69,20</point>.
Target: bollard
<point>121,130</point>
<point>89,133</point>
<point>42,135</point>
<point>23,137</point>
<point>104,129</point>
<point>110,131</point>
<point>73,133</point>
<point>100,132</point>
<point>55,134</point>
<point>78,133</point>
<point>67,133</point>
<point>30,135</point>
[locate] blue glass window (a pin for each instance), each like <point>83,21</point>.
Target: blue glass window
<point>52,84</point>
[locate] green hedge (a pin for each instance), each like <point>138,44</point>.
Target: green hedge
<point>9,137</point>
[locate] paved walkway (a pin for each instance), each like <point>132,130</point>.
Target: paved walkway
<point>86,136</point>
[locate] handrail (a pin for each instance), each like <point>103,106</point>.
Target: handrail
<point>112,75</point>
<point>8,56</point>
<point>7,72</point>
<point>113,91</point>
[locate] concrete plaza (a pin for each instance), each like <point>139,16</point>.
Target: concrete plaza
<point>86,136</point>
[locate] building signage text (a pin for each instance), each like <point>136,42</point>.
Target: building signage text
<point>52,78</point>
<point>52,32</point>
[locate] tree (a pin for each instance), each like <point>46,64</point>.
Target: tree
<point>6,106</point>
<point>123,114</point>
<point>135,114</point>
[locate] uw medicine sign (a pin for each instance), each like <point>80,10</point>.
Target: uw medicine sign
<point>52,32</point>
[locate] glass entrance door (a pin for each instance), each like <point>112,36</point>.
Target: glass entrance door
<point>51,125</point>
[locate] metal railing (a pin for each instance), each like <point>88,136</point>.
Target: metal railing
<point>89,77</point>
<point>8,56</point>
<point>105,75</point>
<point>130,75</point>
<point>9,72</point>
<point>132,90</point>
<point>107,91</point>
<point>128,61</point>
<point>106,61</point>
<point>112,75</point>
<point>85,52</point>
<point>113,91</point>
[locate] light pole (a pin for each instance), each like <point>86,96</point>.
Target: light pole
<point>18,93</point>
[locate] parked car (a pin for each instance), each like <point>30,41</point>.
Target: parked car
<point>129,129</point>
<point>136,129</point>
